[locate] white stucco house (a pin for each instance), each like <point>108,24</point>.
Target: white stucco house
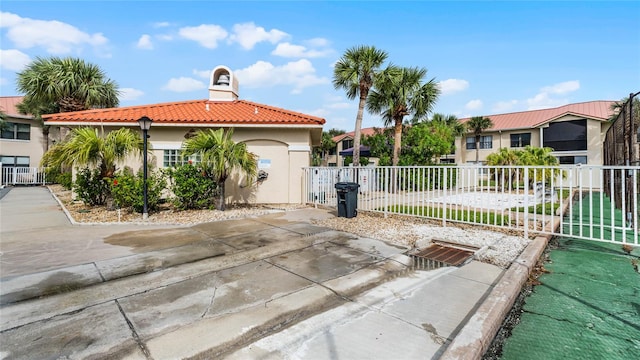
<point>282,139</point>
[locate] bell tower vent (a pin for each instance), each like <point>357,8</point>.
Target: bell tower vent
<point>223,85</point>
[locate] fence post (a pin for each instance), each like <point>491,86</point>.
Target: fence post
<point>526,203</point>
<point>386,191</point>
<point>445,184</point>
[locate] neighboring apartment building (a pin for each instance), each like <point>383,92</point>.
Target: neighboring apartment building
<point>21,142</point>
<point>575,131</point>
<point>344,145</point>
<point>282,139</point>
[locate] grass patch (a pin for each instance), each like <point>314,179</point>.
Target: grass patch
<point>478,217</point>
<point>546,208</point>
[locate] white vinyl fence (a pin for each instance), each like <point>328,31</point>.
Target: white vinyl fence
<point>587,202</point>
<point>22,175</point>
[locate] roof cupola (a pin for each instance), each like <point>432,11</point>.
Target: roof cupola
<point>223,85</point>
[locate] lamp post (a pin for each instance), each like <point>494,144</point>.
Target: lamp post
<point>145,124</point>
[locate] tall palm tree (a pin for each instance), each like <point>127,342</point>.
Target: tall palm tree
<point>355,72</point>
<point>54,84</point>
<point>477,125</point>
<point>220,157</point>
<point>86,147</point>
<point>69,83</point>
<point>399,92</point>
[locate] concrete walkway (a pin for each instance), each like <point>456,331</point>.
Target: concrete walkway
<point>220,289</point>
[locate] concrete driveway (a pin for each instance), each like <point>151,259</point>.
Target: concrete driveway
<point>214,289</point>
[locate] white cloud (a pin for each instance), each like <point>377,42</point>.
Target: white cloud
<point>319,112</point>
<point>129,94</point>
<point>317,42</point>
<point>54,36</point>
<point>161,24</point>
<point>248,35</point>
<point>562,88</point>
<point>206,35</point>
<point>14,60</point>
<point>545,98</point>
<point>3,81</point>
<point>286,49</point>
<point>451,86</point>
<point>300,74</point>
<point>145,42</point>
<point>504,106</point>
<point>205,74</point>
<point>340,105</point>
<point>184,84</point>
<point>474,105</point>
<point>165,37</point>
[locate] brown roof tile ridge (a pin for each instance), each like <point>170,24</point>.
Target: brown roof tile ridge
<point>284,111</point>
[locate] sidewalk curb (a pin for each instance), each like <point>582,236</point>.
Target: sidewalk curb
<point>476,336</point>
<point>235,330</point>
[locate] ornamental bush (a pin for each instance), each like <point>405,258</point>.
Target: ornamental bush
<point>91,187</point>
<point>192,188</point>
<point>128,192</point>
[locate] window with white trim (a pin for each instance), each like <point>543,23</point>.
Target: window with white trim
<point>172,158</point>
<point>520,140</point>
<point>486,142</point>
<point>16,131</point>
<point>15,161</point>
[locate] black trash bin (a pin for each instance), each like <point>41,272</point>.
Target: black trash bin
<point>347,199</point>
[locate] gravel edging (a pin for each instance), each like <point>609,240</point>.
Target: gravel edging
<point>476,336</point>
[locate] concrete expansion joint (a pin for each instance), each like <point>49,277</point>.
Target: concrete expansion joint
<point>134,333</point>
<point>523,263</point>
<point>99,272</point>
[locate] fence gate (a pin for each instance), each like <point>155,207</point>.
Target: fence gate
<point>15,175</point>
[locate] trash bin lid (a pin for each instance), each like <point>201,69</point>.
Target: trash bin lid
<point>347,186</point>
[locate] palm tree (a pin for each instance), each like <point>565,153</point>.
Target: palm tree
<point>28,106</point>
<point>505,157</point>
<point>355,72</point>
<point>477,125</point>
<point>535,156</point>
<point>53,85</point>
<point>399,92</point>
<point>3,121</point>
<point>86,147</point>
<point>220,157</point>
<point>69,83</point>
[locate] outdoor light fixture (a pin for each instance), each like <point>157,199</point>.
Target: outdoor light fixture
<point>145,125</point>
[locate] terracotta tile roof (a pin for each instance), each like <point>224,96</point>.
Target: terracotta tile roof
<point>238,112</point>
<point>599,110</point>
<point>8,105</point>
<point>364,132</point>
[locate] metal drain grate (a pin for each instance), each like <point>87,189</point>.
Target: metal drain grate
<point>440,255</point>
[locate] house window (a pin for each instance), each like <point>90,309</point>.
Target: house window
<point>346,144</point>
<point>486,142</point>
<point>572,160</point>
<point>566,135</point>
<point>174,158</point>
<point>520,140</point>
<point>15,161</point>
<point>16,131</point>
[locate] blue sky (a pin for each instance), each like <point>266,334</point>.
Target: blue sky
<point>488,57</point>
